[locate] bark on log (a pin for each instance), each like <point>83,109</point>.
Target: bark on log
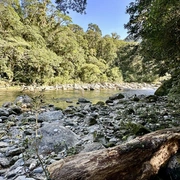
<point>138,159</point>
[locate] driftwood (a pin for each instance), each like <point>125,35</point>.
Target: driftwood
<point>138,159</point>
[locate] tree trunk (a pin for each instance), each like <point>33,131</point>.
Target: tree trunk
<point>137,159</point>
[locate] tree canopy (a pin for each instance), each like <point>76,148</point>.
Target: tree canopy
<point>156,24</point>
<point>40,44</point>
<point>76,5</point>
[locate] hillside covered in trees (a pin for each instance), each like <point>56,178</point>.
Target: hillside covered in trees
<point>155,24</point>
<point>40,44</point>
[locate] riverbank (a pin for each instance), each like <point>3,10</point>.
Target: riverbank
<point>31,138</point>
<point>82,86</point>
<point>63,97</point>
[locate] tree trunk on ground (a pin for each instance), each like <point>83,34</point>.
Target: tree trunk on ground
<point>138,159</point>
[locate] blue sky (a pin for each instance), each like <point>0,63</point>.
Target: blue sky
<point>109,15</point>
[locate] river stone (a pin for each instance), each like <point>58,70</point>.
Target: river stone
<point>3,144</point>
<point>92,147</point>
<point>56,138</point>
<point>15,151</point>
<point>50,116</point>
<point>17,163</point>
<point>7,104</point>
<point>24,178</point>
<point>15,110</point>
<point>3,118</point>
<point>4,162</point>
<point>151,98</point>
<point>4,112</point>
<point>109,101</point>
<point>116,96</point>
<point>14,172</point>
<point>170,171</point>
<point>90,120</point>
<point>173,168</point>
<point>38,170</point>
<point>83,100</point>
<point>23,99</point>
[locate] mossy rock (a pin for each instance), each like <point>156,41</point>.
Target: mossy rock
<point>137,129</point>
<point>100,103</point>
<point>174,93</point>
<point>116,96</point>
<point>164,89</point>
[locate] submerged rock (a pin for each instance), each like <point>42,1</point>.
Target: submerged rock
<point>83,100</point>
<point>116,96</point>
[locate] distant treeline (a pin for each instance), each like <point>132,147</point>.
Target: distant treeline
<point>39,44</point>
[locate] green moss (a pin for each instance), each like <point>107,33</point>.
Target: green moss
<point>136,128</point>
<point>164,89</point>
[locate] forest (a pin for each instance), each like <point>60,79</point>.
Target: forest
<point>39,44</point>
<point>128,138</point>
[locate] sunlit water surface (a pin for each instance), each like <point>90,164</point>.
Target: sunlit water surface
<point>59,97</point>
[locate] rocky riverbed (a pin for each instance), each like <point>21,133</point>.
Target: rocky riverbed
<point>34,135</point>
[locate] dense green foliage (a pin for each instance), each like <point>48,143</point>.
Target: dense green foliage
<point>76,5</point>
<point>39,44</point>
<point>156,23</point>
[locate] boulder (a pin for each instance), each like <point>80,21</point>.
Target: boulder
<point>4,112</point>
<point>116,96</point>
<point>56,138</point>
<point>83,100</point>
<point>50,116</point>
<point>23,101</point>
<point>140,159</point>
<point>164,89</point>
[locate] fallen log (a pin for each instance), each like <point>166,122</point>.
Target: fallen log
<point>138,159</point>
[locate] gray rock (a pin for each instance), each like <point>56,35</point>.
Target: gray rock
<point>19,162</point>
<point>151,98</point>
<point>173,168</point>
<point>50,116</point>
<point>56,138</point>
<point>3,144</point>
<point>15,151</point>
<point>4,150</point>
<point>33,164</point>
<point>24,178</point>
<point>90,120</point>
<point>92,147</point>
<point>116,96</point>
<point>23,99</point>
<point>4,112</point>
<point>14,172</point>
<point>4,162</point>
<point>83,100</point>
<point>3,118</point>
<point>7,104</point>
<point>109,101</point>
<point>38,170</point>
<point>15,110</point>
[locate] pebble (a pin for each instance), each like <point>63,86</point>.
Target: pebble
<point>85,128</point>
<point>15,151</point>
<point>24,178</point>
<point>38,170</point>
<point>4,162</point>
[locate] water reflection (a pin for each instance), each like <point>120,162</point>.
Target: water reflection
<point>64,98</point>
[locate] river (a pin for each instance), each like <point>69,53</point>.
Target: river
<point>59,97</point>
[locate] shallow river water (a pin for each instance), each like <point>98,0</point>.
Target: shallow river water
<point>59,97</point>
